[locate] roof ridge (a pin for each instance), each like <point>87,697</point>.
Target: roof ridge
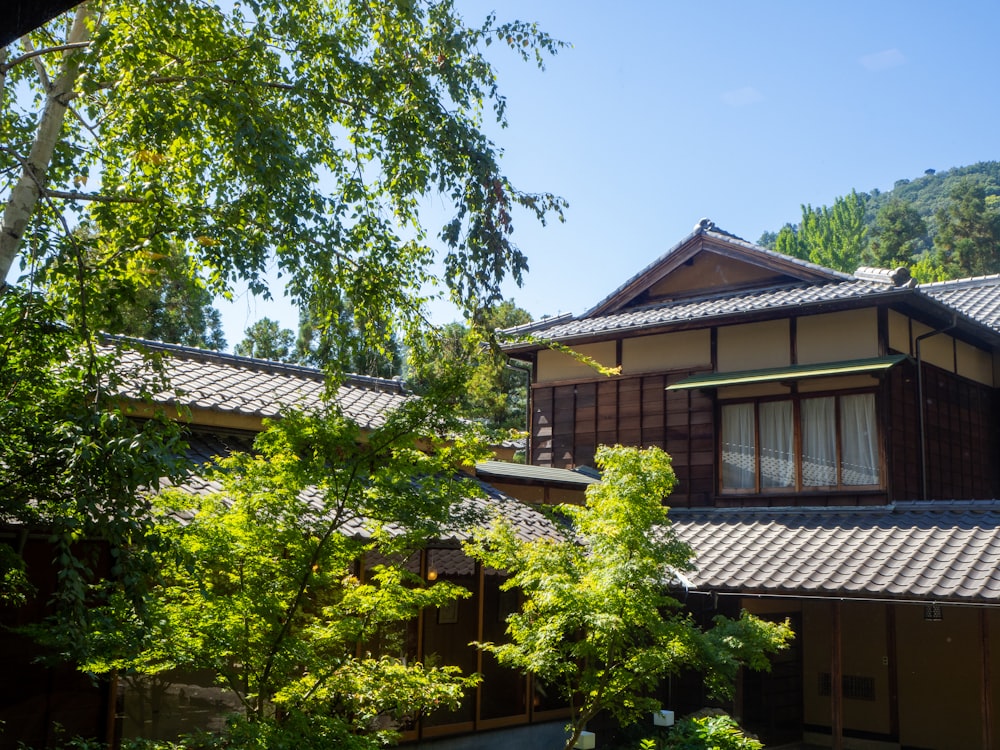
<point>968,281</point>
<point>742,294</point>
<point>260,365</point>
<point>534,325</point>
<point>782,510</point>
<point>707,228</point>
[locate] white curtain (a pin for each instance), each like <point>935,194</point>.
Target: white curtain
<point>777,444</point>
<point>738,447</point>
<point>819,442</point>
<point>859,463</point>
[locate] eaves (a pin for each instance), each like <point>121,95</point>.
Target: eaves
<point>894,294</point>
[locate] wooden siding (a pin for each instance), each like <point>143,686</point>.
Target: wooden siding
<point>963,449</point>
<point>569,421</point>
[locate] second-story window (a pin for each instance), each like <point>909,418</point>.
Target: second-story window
<point>804,443</point>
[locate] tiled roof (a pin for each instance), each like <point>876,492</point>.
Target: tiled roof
<point>498,471</point>
<point>241,385</point>
<point>706,228</point>
<point>928,551</point>
<point>977,298</point>
<point>793,295</point>
<point>528,522</point>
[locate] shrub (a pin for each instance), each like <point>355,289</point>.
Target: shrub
<point>704,731</point>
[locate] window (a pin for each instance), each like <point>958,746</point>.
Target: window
<point>827,442</point>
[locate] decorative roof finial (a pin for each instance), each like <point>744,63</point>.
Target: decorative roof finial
<point>704,225</point>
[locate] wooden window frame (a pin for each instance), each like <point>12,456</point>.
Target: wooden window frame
<point>799,488</point>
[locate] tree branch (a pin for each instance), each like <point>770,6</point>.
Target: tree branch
<point>73,195</point>
<point>32,54</point>
<point>36,52</point>
<point>23,198</point>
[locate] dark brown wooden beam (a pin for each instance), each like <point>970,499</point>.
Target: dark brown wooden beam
<point>836,678</point>
<point>22,16</point>
<point>987,697</point>
<point>890,648</point>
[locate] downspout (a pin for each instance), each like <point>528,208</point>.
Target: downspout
<point>923,407</point>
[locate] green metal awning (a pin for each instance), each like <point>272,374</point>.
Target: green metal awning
<point>794,372</point>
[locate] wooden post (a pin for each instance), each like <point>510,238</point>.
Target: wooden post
<point>480,619</point>
<point>987,698</point>
<point>112,715</point>
<point>890,620</point>
<point>423,565</point>
<point>836,679</point>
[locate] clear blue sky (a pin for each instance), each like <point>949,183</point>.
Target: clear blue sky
<point>665,112</point>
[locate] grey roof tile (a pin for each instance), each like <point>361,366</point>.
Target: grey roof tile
<point>529,523</point>
<point>241,385</point>
<point>976,298</point>
<point>706,308</point>
<point>932,551</point>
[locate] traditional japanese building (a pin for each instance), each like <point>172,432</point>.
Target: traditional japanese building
<point>223,400</point>
<point>837,444</point>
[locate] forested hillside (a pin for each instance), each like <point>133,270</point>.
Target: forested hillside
<point>942,225</point>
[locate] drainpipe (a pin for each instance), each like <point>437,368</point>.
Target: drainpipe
<point>923,407</point>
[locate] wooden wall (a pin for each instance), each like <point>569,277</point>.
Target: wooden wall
<point>569,421</point>
<point>963,436</point>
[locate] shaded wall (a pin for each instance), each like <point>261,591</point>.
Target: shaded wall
<point>910,680</point>
<point>963,436</point>
<point>42,705</point>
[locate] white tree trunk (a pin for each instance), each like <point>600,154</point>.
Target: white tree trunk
<point>24,196</point>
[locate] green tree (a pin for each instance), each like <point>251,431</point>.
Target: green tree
<point>73,464</point>
<point>333,331</point>
<point>299,136</point>
<point>260,582</point>
<point>835,236</point>
<point>492,391</point>
<point>266,339</point>
<point>177,311</point>
<point>893,228</point>
<point>302,134</point>
<point>768,240</point>
<point>787,243</point>
<point>895,236</point>
<point>597,621</point>
<point>146,295</point>
<point>969,230</point>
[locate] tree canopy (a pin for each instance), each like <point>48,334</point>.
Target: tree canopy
<point>266,339</point>
<point>301,136</point>
<point>154,140</point>
<point>597,622</point>
<point>942,225</point>
<point>260,584</point>
<point>492,390</point>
